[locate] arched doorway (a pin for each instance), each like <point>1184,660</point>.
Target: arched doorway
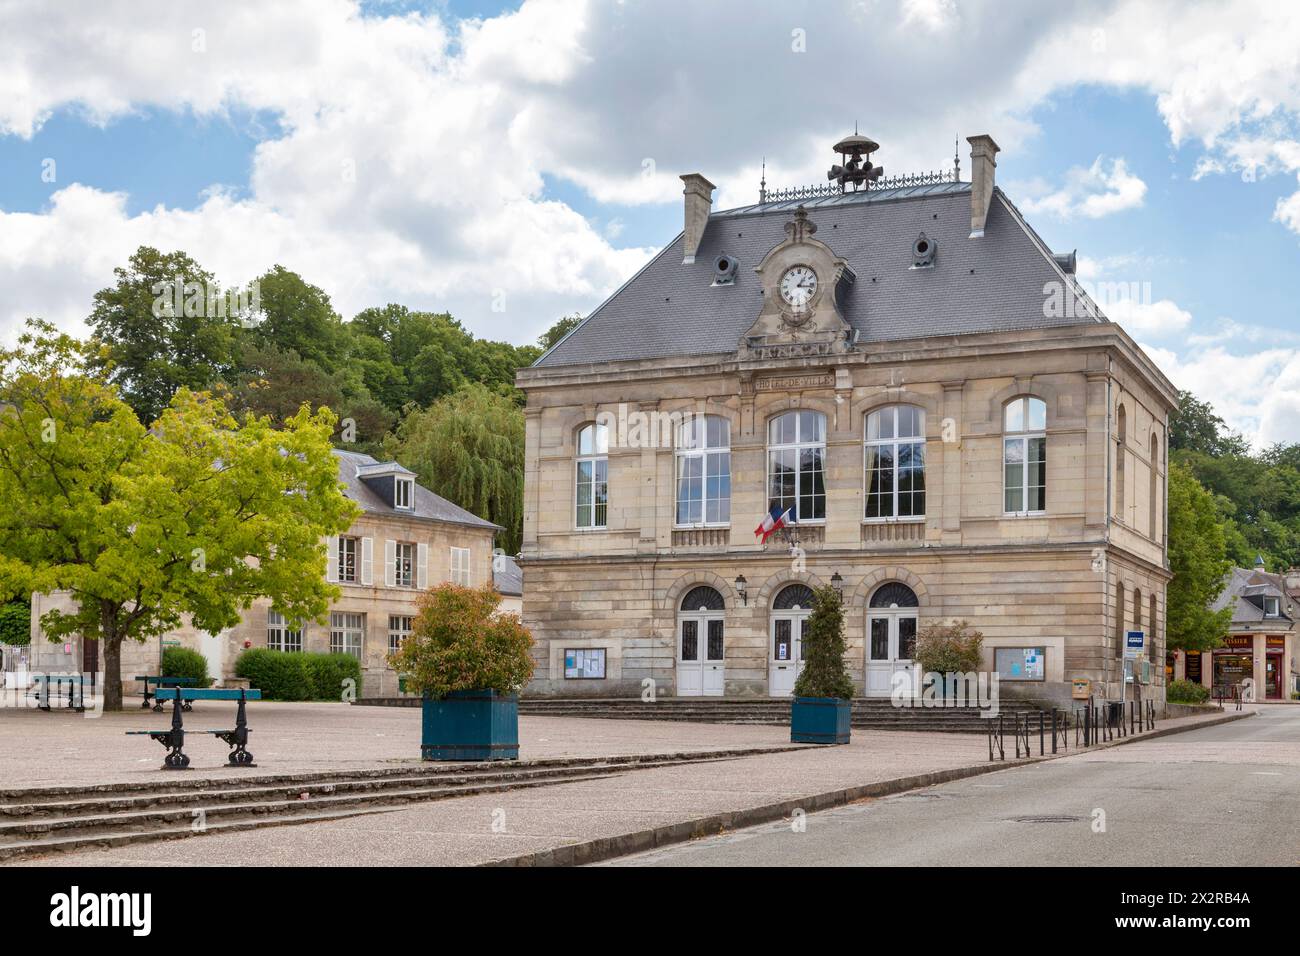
<point>790,611</point>
<point>700,668</point>
<point>891,637</point>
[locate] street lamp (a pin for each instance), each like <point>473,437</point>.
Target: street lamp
<point>741,585</point>
<point>837,583</point>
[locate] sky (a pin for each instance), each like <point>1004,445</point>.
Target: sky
<point>515,162</point>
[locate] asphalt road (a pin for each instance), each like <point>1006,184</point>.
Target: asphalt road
<point>1226,795</point>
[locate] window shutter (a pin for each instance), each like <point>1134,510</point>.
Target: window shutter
<point>332,559</point>
<point>367,560</point>
<point>421,566</point>
<point>390,563</point>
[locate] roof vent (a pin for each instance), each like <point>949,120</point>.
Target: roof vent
<point>1067,261</point>
<point>923,252</point>
<point>724,269</point>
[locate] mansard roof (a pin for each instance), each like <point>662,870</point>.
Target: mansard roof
<point>354,466</point>
<point>993,283</point>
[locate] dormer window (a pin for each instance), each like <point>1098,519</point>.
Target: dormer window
<point>1271,608</point>
<point>404,493</point>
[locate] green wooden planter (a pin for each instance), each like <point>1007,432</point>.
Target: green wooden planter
<point>471,725</point>
<point>820,720</point>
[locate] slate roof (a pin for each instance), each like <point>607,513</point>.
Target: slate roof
<point>427,504</point>
<point>994,283</point>
<point>507,576</point>
<point>1245,583</point>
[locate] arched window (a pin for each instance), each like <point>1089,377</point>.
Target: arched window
<point>1119,620</point>
<point>591,477</point>
<point>1137,609</point>
<point>793,597</point>
<point>1151,625</point>
<point>894,594</point>
<point>1024,456</point>
<point>704,472</point>
<point>703,598</point>
<point>1121,434</point>
<point>796,462</point>
<point>1156,530</point>
<point>895,462</point>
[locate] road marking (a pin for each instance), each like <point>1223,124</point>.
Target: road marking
<point>1265,773</point>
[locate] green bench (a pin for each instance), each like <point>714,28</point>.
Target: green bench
<point>159,681</point>
<point>174,739</point>
<point>76,690</point>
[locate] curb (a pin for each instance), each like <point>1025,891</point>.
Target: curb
<point>607,848</point>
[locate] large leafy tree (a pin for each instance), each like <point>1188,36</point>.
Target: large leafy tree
<point>1199,561</point>
<point>296,316</point>
<point>195,517</point>
<point>469,448</point>
<point>164,325</point>
<point>1193,426</point>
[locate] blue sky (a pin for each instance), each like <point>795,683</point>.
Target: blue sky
<point>515,162</point>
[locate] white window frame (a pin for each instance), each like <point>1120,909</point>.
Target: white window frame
<point>343,555</point>
<point>344,626</point>
<point>892,444</point>
<point>797,446</point>
<point>399,629</point>
<point>597,457</point>
<point>404,550</point>
<point>280,636</point>
<point>1272,606</point>
<point>693,446</point>
<point>404,493</point>
<point>460,567</point>
<point>1023,437</point>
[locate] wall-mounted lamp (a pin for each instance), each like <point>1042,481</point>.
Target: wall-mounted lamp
<point>837,583</point>
<point>741,585</point>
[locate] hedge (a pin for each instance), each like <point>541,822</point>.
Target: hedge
<point>1186,692</point>
<point>15,623</point>
<point>296,675</point>
<point>183,662</point>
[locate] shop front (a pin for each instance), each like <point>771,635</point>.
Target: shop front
<point>1234,663</point>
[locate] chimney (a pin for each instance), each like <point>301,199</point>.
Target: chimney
<point>699,200</point>
<point>982,161</point>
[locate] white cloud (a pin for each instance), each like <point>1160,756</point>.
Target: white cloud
<point>1160,319</point>
<point>1091,192</point>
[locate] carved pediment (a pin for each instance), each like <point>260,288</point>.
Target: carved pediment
<point>803,283</point>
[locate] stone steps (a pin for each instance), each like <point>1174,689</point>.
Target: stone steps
<point>48,820</point>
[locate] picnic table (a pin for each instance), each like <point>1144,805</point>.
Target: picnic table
<point>158,680</point>
<point>75,682</point>
<point>173,739</point>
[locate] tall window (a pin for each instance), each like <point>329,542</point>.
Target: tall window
<point>404,569</point>
<point>1151,623</point>
<point>796,464</point>
<point>346,631</point>
<point>460,566</point>
<point>399,629</point>
<point>1024,456</point>
<point>347,559</point>
<point>1121,456</point>
<point>895,462</point>
<point>280,636</point>
<point>591,477</point>
<point>1154,520</point>
<point>704,471</point>
<point>1119,620</point>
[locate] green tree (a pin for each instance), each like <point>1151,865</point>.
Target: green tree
<point>195,517</point>
<point>824,673</point>
<point>559,330</point>
<point>15,623</point>
<point>469,448</point>
<point>1193,426</point>
<point>296,316</point>
<point>1199,561</point>
<point>157,339</point>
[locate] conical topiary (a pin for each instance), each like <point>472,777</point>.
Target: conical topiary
<point>824,673</point>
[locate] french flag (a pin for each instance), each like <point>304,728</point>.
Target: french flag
<point>773,521</point>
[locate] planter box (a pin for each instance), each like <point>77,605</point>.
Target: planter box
<point>820,720</point>
<point>471,725</point>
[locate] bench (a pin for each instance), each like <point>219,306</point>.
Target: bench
<point>41,690</point>
<point>174,739</point>
<point>160,681</point>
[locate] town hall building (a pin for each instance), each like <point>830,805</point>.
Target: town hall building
<point>903,369</point>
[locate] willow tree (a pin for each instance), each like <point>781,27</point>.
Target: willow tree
<point>194,518</point>
<point>469,447</point>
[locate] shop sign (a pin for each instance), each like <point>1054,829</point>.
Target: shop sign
<point>1134,644</point>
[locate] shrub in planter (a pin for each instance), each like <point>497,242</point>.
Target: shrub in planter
<point>183,662</point>
<point>1186,692</point>
<point>469,663</point>
<point>822,707</point>
<point>952,648</point>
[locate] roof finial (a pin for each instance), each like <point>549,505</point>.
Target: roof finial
<point>956,160</point>
<point>762,183</point>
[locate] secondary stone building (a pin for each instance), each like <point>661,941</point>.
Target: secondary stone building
<point>406,540</point>
<point>907,369</point>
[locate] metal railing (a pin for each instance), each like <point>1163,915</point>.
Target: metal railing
<point>828,190</point>
<point>1094,722</point>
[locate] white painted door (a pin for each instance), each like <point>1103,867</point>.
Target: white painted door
<point>213,647</point>
<point>786,653</point>
<point>891,646</point>
<point>701,669</point>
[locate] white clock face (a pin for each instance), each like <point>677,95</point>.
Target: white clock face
<point>798,286</point>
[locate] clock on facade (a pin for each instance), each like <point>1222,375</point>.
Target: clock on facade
<point>798,285</point>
